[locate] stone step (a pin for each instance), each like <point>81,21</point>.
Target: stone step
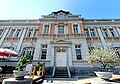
<point>61,72</point>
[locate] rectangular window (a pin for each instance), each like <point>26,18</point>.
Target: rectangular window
<point>35,33</point>
<point>87,33</point>
<point>11,33</point>
<point>112,32</point>
<point>75,28</point>
<point>117,50</point>
<point>17,33</point>
<point>105,32</point>
<point>46,29</point>
<point>78,52</point>
<point>1,32</point>
<point>44,52</point>
<point>92,31</point>
<point>90,48</point>
<point>60,29</point>
<point>61,16</point>
<point>28,51</point>
<point>29,34</point>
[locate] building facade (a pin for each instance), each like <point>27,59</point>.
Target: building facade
<point>60,39</point>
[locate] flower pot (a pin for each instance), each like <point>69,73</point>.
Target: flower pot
<point>104,75</point>
<point>19,75</point>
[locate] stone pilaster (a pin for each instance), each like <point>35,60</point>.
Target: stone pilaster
<point>118,30</point>
<point>115,31</point>
<point>69,56</point>
<point>84,50</point>
<point>48,52</point>
<point>52,56</point>
<point>21,39</point>
<point>89,32</point>
<point>102,38</point>
<point>73,53</point>
<point>37,50</point>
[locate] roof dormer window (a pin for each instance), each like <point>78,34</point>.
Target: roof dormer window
<point>60,15</point>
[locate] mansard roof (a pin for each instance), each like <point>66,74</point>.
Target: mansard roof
<point>61,11</point>
<point>61,15</point>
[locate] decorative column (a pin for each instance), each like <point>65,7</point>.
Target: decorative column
<point>21,39</point>
<point>52,56</point>
<point>4,35</point>
<point>102,38</point>
<point>79,27</point>
<point>69,56</point>
<point>48,52</point>
<point>38,50</point>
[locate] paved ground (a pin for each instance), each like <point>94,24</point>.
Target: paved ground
<point>63,81</point>
<point>67,81</point>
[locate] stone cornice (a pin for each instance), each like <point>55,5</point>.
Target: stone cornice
<point>102,23</point>
<point>64,19</point>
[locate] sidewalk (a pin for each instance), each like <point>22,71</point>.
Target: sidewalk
<point>69,81</point>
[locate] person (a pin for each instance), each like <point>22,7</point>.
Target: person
<point>4,70</point>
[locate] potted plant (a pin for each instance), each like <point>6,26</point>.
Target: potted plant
<point>105,58</point>
<point>22,62</point>
<point>39,67</point>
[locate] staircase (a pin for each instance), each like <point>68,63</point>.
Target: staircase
<point>61,72</point>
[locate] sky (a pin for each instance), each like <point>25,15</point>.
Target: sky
<point>33,9</point>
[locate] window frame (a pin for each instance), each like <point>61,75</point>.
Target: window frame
<point>78,55</point>
<point>92,32</point>
<point>1,32</point>
<point>61,29</point>
<point>75,28</point>
<point>46,29</point>
<point>112,32</point>
<point>12,33</point>
<point>28,51</point>
<point>17,34</point>
<point>44,54</point>
<point>30,33</point>
<point>105,32</point>
<point>87,34</point>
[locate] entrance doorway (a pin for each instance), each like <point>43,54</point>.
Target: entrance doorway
<point>61,59</point>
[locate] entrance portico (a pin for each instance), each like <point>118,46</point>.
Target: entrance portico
<point>61,54</point>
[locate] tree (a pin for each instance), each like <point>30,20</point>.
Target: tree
<point>103,57</point>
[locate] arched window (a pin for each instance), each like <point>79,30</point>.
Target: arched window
<point>28,51</point>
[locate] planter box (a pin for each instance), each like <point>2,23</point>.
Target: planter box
<point>104,75</point>
<point>19,75</point>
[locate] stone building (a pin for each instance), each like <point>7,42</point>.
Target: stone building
<point>61,39</point>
